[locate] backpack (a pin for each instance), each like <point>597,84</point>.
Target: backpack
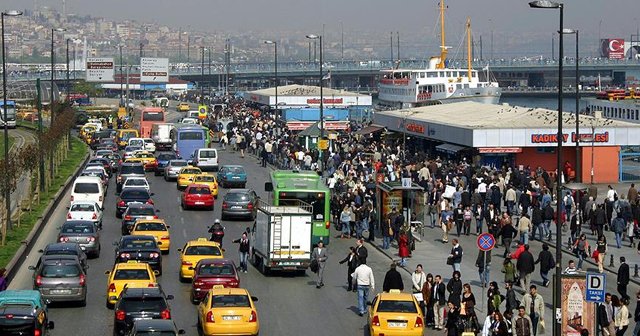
<point>568,200</point>
<point>467,215</point>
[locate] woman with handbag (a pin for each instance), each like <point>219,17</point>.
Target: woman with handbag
<point>427,289</point>
<point>467,309</point>
<point>453,314</point>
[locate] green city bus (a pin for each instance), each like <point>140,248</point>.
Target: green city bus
<point>289,186</point>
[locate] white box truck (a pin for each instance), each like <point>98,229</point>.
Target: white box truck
<point>281,237</point>
<point>161,135</point>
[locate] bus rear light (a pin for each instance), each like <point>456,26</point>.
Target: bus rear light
<point>327,225</point>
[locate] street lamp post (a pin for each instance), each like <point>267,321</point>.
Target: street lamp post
<point>53,31</point>
<point>545,4</point>
<point>202,75</point>
<point>275,66</point>
<point>67,79</point>
<point>122,104</point>
<point>7,195</point>
<point>319,38</point>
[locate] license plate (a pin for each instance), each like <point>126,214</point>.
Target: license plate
<point>141,318</point>
<point>60,291</point>
<point>236,207</point>
<point>290,263</point>
<point>199,203</point>
<point>231,317</point>
<point>236,177</point>
<point>397,325</point>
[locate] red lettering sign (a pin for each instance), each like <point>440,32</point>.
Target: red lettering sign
<point>325,101</point>
<point>416,128</point>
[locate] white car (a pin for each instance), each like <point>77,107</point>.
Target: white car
<point>149,145</point>
<point>85,210</point>
<point>191,121</point>
<point>129,151</point>
<point>136,182</point>
<point>102,153</point>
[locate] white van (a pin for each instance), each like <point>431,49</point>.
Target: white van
<point>149,145</point>
<point>88,188</point>
<point>137,142</point>
<point>206,159</point>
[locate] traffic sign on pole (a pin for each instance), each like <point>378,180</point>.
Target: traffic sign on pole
<point>486,242</point>
<point>596,284</point>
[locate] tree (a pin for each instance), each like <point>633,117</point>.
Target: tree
<point>90,89</point>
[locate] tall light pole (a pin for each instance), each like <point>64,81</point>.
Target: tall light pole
<point>67,79</point>
<point>122,104</point>
<point>202,74</point>
<point>7,195</point>
<point>545,4</point>
<point>319,38</point>
<point>53,31</point>
<point>275,66</point>
<point>578,159</point>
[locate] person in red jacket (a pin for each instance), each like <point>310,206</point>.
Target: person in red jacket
<point>516,254</point>
<point>403,247</point>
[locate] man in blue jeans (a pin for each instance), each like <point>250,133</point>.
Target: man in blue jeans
<point>364,281</point>
<point>618,225</point>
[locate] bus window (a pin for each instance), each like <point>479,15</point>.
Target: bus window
<point>152,116</point>
<point>190,136</point>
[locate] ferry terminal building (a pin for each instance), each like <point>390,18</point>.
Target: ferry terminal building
<point>520,136</point>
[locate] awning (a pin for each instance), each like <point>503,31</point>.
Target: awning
<point>370,129</point>
<point>449,148</point>
<point>328,125</point>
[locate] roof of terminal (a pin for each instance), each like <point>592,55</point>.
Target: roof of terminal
<point>304,90</point>
<point>475,115</point>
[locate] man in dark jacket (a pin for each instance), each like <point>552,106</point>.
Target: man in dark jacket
<point>392,280</point>
<point>547,263</point>
<point>507,232</point>
<point>548,215</point>
<point>525,267</point>
<point>243,249</point>
<point>623,278</point>
<point>536,222</point>
<point>361,251</point>
<point>601,219</point>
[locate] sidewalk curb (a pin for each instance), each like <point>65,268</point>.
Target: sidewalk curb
<point>32,237</point>
<point>386,253</point>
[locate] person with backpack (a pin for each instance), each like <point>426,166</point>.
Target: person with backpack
<point>509,270</point>
<point>618,226</point>
<point>548,215</point>
<point>511,302</point>
<point>494,298</point>
<point>568,203</point>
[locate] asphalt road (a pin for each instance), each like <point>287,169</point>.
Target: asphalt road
<point>288,305</point>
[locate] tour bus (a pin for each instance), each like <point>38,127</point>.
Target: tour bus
<point>145,117</point>
<point>187,138</point>
<point>290,186</point>
<point>11,113</point>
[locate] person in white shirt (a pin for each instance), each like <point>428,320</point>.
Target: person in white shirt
<point>418,278</point>
<point>364,281</point>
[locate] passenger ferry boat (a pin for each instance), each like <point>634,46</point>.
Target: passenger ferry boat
<point>437,84</point>
<point>617,104</point>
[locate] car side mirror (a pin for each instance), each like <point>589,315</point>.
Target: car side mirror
<point>156,272</point>
<point>191,268</point>
<point>254,298</point>
<point>32,268</point>
<point>181,332</point>
<point>368,303</point>
<point>151,194</point>
<point>158,210</point>
<point>168,226</point>
<point>190,162</point>
<point>115,243</point>
<point>47,301</point>
<point>169,297</point>
<point>107,272</point>
<point>86,267</point>
<point>41,251</point>
<point>51,325</point>
<point>179,250</point>
<point>58,227</point>
<point>68,208</point>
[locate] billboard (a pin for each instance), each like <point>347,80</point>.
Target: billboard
<point>612,48</point>
<point>154,70</point>
<point>99,69</point>
<point>577,314</point>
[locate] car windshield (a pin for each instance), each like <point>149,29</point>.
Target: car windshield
<point>136,182</point>
<point>132,169</point>
<point>142,304</point>
<point>199,191</point>
<point>86,188</point>
<point>205,178</point>
<point>150,227</point>
<point>132,274</point>
<point>236,197</point>
<point>178,163</point>
<point>149,141</point>
<point>144,155</point>
<point>77,228</point>
<point>230,301</point>
<point>203,250</point>
<point>190,171</point>
<point>166,157</point>
<point>235,170</point>
<point>60,271</point>
<point>141,211</point>
<point>154,333</point>
<point>390,306</point>
<point>132,148</point>
<point>208,154</point>
<point>139,243</point>
<point>136,143</point>
<point>216,270</point>
<point>134,194</point>
<point>61,252</point>
<point>83,207</point>
<point>103,152</point>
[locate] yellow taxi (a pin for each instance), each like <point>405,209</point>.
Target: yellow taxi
<point>123,136</point>
<point>87,131</point>
<point>228,311</point>
<point>183,107</point>
<point>130,274</point>
<point>395,313</point>
<point>146,158</point>
<point>194,251</point>
<point>209,180</point>
<point>186,176</point>
<point>156,228</point>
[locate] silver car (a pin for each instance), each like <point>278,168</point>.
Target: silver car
<point>61,279</point>
<point>85,233</point>
<point>173,168</point>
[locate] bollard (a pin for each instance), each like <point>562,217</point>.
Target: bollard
<point>635,271</point>
<point>611,261</point>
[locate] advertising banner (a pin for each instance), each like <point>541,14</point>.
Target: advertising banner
<point>154,70</point>
<point>390,200</point>
<point>577,314</point>
<point>99,70</point>
<point>612,48</point>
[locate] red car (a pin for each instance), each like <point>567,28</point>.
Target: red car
<point>213,272</point>
<point>197,196</point>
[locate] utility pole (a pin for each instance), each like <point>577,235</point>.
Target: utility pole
<point>141,53</point>
<point>398,41</point>
<point>341,41</point>
<point>553,48</point>
<point>481,58</point>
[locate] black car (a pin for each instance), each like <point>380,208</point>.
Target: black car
<point>129,195</point>
<point>140,248</point>
<point>126,170</point>
<point>155,327</point>
<point>163,160</point>
<point>240,203</point>
<point>95,138</point>
<point>23,312</point>
<point>134,212</point>
<point>115,160</point>
<point>65,249</point>
<point>140,304</point>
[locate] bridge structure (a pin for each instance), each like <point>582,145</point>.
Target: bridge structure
<point>362,75</point>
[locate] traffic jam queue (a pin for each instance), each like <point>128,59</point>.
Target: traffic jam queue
<point>493,135</point>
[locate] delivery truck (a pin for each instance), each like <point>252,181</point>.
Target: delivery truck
<point>281,237</point>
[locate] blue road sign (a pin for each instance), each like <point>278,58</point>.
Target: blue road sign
<point>486,242</point>
<point>596,285</point>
